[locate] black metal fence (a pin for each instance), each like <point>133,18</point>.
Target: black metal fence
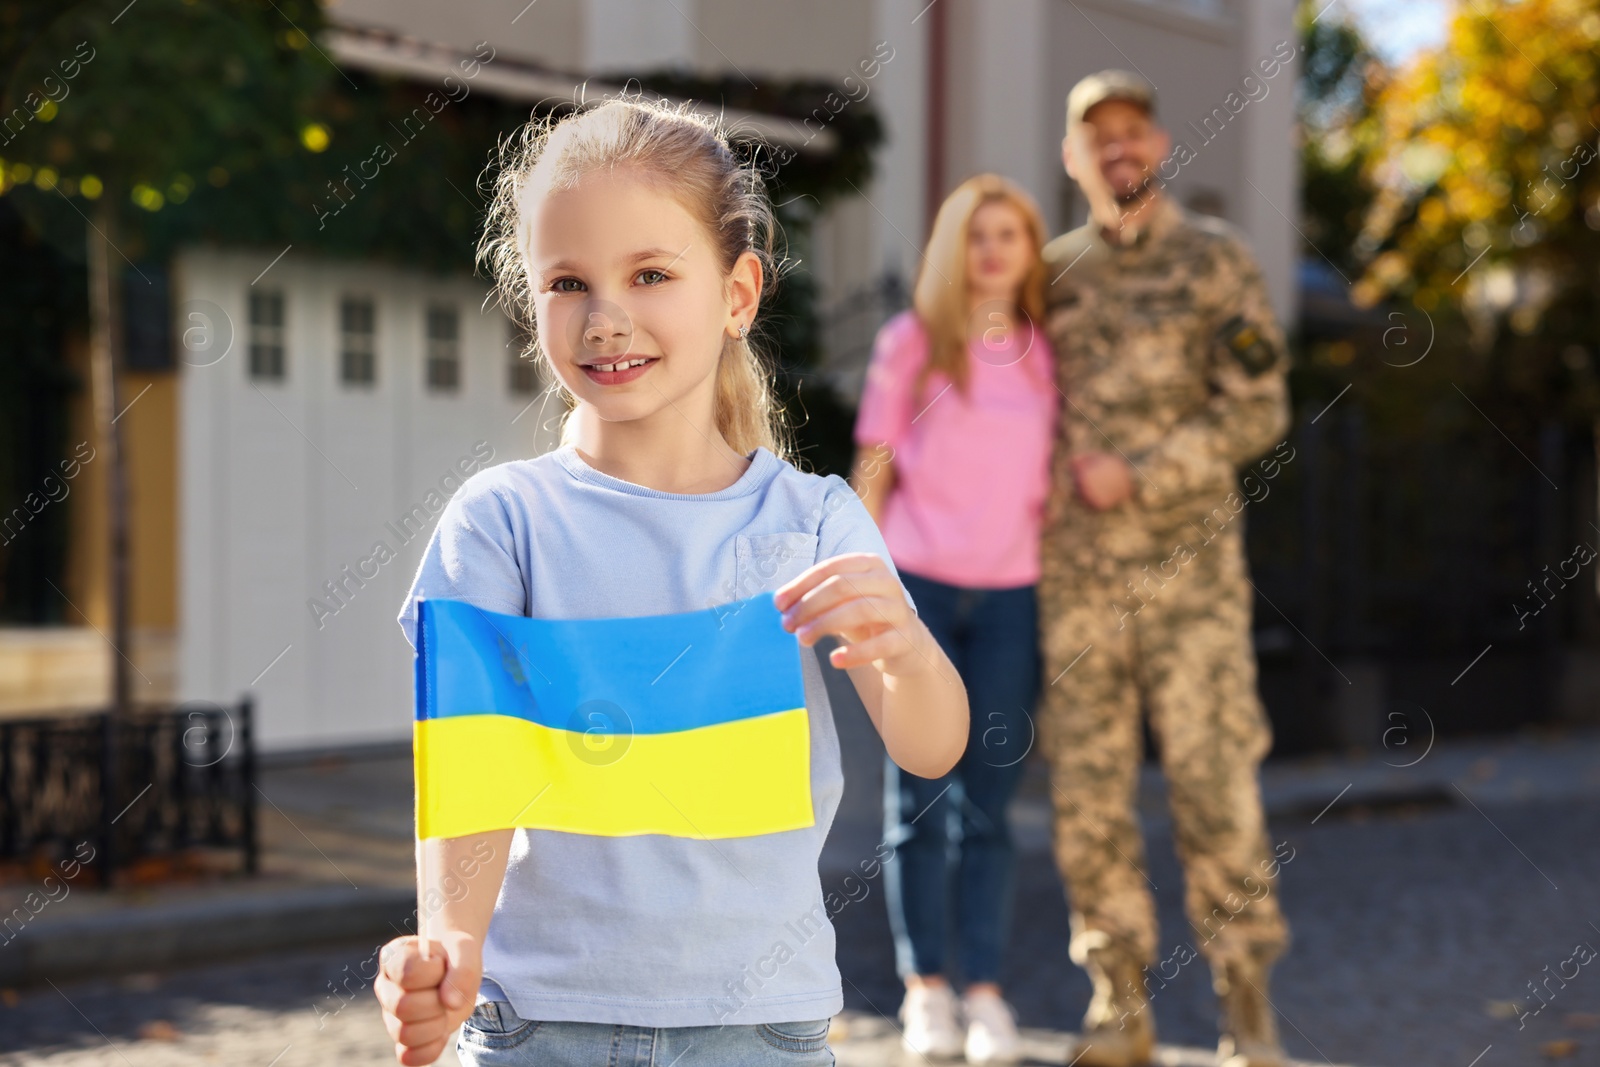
<point>156,782</point>
<point>1389,561</point>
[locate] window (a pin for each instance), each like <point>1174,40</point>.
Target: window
<point>444,347</point>
<point>524,372</point>
<point>266,336</point>
<point>357,350</point>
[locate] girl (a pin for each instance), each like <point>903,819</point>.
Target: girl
<point>955,432</point>
<point>638,248</point>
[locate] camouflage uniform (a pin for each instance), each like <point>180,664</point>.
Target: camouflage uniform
<point>1169,355</point>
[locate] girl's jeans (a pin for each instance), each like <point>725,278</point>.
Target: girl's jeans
<point>496,1037</point>
<point>957,824</point>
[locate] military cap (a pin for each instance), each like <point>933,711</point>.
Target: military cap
<point>1108,85</point>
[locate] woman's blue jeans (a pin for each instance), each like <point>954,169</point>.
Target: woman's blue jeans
<point>954,860</point>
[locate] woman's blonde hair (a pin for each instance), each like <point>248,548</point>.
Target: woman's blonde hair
<point>940,296</point>
<point>688,157</point>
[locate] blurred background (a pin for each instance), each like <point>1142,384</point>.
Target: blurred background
<point>245,358</point>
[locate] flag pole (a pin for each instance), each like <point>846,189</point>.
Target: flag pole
<point>420,786</point>
<point>422,846</point>
<point>422,895</point>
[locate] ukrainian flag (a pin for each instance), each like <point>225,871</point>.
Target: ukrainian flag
<point>691,725</point>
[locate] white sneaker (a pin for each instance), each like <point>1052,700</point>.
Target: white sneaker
<point>929,1015</point>
<point>991,1029</point>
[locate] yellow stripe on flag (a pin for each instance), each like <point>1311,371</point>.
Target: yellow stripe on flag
<point>733,779</point>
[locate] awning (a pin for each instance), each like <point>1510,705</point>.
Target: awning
<point>382,52</point>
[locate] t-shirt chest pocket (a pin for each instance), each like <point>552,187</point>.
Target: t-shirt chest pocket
<point>766,561</point>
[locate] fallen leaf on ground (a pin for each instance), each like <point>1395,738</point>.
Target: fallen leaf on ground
<point>158,1030</point>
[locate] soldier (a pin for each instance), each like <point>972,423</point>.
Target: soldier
<point>1174,374</point>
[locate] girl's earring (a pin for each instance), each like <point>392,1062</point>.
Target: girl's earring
<point>744,328</point>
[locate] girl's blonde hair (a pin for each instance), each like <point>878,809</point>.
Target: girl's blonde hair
<point>688,157</point>
<point>940,296</point>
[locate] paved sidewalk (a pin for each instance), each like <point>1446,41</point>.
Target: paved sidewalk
<point>326,875</point>
<point>862,1039</point>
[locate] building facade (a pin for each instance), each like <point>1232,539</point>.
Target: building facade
<point>316,457</point>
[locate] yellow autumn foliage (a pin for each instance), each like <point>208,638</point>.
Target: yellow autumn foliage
<point>1497,130</point>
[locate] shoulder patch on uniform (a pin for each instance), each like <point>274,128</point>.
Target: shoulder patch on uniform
<point>1247,345</point>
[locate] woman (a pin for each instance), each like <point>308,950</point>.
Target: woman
<point>954,437</point>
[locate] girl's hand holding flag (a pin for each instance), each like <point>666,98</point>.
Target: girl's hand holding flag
<point>909,686</point>
<point>426,997</point>
<point>425,1000</point>
<point>903,677</point>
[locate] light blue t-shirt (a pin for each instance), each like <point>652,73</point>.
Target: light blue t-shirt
<point>654,930</point>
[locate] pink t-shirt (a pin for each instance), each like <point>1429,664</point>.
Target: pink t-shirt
<point>971,471</point>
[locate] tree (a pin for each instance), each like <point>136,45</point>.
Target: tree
<point>1486,160</point>
<point>1339,79</point>
<point>115,108</point>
